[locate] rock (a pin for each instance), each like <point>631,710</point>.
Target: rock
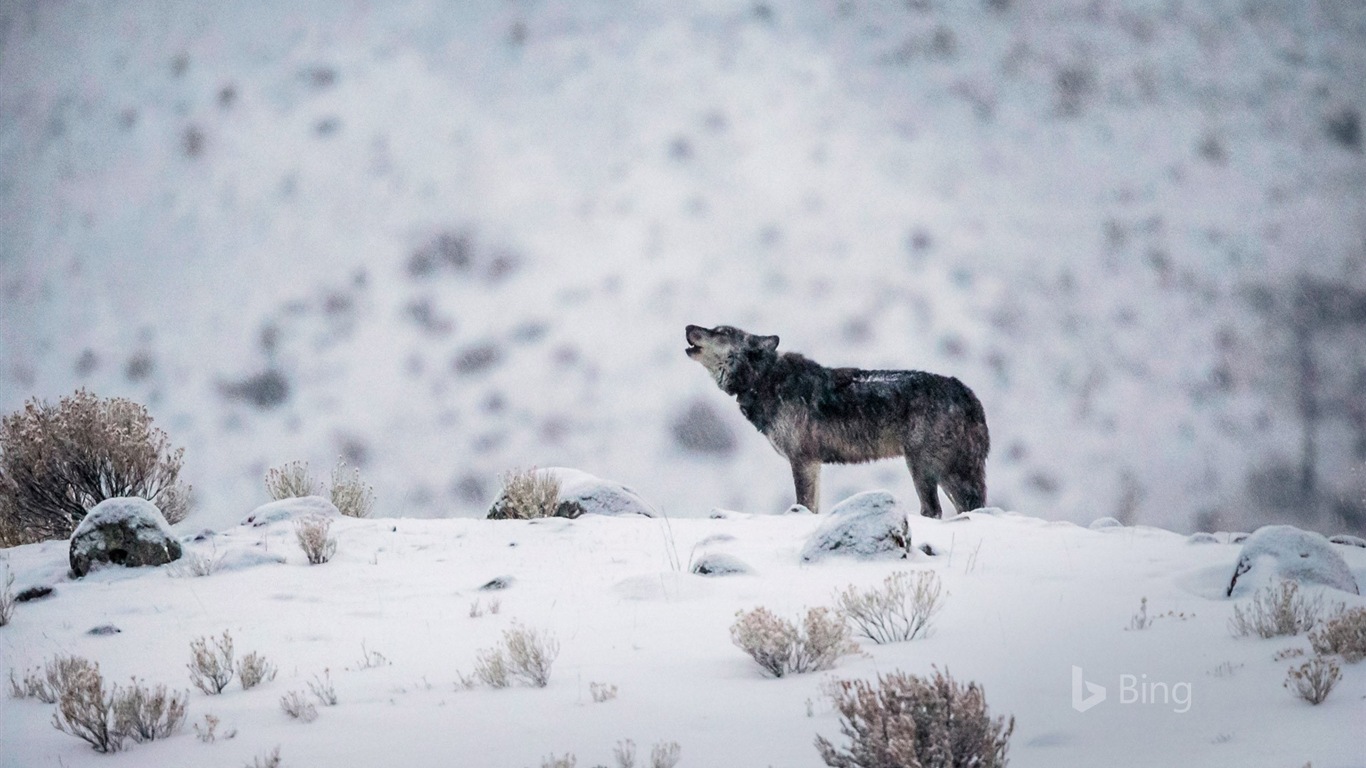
<point>928,550</point>
<point>502,582</point>
<point>290,509</point>
<point>33,593</point>
<point>126,531</point>
<point>1105,522</point>
<point>1284,552</point>
<point>104,630</point>
<point>719,564</point>
<point>1349,541</point>
<point>797,509</point>
<point>1202,538</point>
<point>868,524</point>
<point>584,494</point>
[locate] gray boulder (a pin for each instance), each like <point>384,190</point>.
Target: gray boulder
<point>1284,552</point>
<point>719,564</point>
<point>122,531</point>
<point>584,494</point>
<point>869,524</point>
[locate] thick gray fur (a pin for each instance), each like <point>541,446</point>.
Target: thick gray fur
<point>814,415</point>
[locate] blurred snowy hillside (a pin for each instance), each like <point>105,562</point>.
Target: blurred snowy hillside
<point>447,239</point>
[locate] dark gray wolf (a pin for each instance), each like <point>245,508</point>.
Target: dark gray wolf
<point>814,415</point>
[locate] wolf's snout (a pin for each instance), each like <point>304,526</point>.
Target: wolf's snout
<point>693,334</point>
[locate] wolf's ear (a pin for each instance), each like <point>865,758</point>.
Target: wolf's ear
<point>769,343</point>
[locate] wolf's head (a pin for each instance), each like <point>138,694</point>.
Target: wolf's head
<point>729,354</point>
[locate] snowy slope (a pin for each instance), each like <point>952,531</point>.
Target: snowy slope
<point>1027,600</point>
<point>445,240</point>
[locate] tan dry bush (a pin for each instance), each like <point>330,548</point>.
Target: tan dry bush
<point>528,494</point>
<point>1275,611</point>
<point>1343,634</point>
<point>291,480</point>
<point>323,690</point>
<point>351,495</point>
<point>530,654</point>
<point>47,684</point>
<point>491,667</point>
<point>209,733</point>
<point>665,754</point>
<point>602,692</point>
<point>85,707</point>
<point>907,720</point>
<point>901,609</point>
<point>297,706</point>
<point>1314,679</point>
<point>568,761</point>
<point>211,669</point>
<point>58,461</point>
<point>314,538</point>
<point>144,714</point>
<point>778,646</point>
<point>253,670</point>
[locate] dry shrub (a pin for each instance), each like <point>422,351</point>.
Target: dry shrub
<point>7,599</point>
<point>314,538</point>
<point>145,714</point>
<point>1275,611</point>
<point>491,667</point>
<point>56,462</point>
<point>290,481</point>
<point>530,654</point>
<point>664,754</point>
<point>209,733</point>
<point>907,720</point>
<point>568,761</point>
<point>350,495</point>
<point>901,609</point>
<point>253,670</point>
<point>47,685</point>
<point>1314,679</point>
<point>193,565</point>
<point>602,692</point>
<point>781,648</point>
<point>322,689</point>
<point>527,494</point>
<point>1343,634</point>
<point>211,670</point>
<point>85,708</point>
<point>297,706</point>
<point>271,760</point>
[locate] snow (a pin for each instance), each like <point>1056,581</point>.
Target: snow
<point>290,509</point>
<point>1275,552</point>
<point>868,524</point>
<point>1026,600</point>
<point>128,512</point>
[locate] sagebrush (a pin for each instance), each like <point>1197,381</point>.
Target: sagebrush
<point>58,461</point>
<point>527,654</point>
<point>106,717</point>
<point>1343,634</point>
<point>253,670</point>
<point>528,494</point>
<point>298,707</point>
<point>7,599</point>
<point>290,480</point>
<point>211,669</point>
<point>315,539</point>
<point>351,495</point>
<point>901,609</point>
<point>908,720</point>
<point>1276,610</point>
<point>1314,679</point>
<point>781,648</point>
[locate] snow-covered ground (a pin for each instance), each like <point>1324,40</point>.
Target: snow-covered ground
<point>1028,600</point>
<point>449,239</point>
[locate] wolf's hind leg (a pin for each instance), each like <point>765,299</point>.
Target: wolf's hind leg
<point>806,475</point>
<point>927,486</point>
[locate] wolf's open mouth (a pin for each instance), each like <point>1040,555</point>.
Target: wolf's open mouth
<point>692,350</point>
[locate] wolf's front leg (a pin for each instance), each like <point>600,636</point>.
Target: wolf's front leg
<point>806,475</point>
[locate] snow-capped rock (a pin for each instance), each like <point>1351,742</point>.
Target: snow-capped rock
<point>719,564</point>
<point>1276,552</point>
<point>585,494</point>
<point>126,531</point>
<point>289,509</point>
<point>868,524</point>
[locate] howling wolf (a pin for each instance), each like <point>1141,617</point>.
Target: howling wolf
<point>814,415</point>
